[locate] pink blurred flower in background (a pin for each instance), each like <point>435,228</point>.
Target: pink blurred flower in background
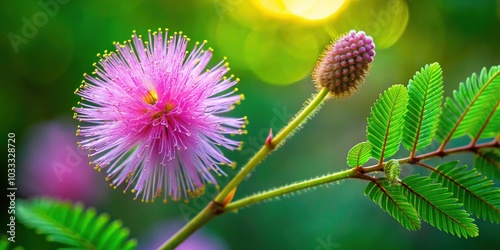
<point>51,164</point>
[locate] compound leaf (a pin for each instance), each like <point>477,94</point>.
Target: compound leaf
<point>476,192</point>
<point>73,226</point>
<point>359,154</point>
<point>465,112</point>
<point>385,123</point>
<point>5,244</point>
<point>488,123</point>
<point>487,161</point>
<point>391,200</point>
<point>492,129</point>
<point>425,93</point>
<point>437,207</point>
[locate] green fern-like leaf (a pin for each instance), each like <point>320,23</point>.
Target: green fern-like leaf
<point>487,111</point>
<point>437,207</point>
<point>486,120</point>
<point>476,192</point>
<point>5,245</point>
<point>487,161</point>
<point>385,124</point>
<point>463,114</point>
<point>359,154</point>
<point>391,200</point>
<point>73,226</point>
<point>425,93</point>
<point>492,129</point>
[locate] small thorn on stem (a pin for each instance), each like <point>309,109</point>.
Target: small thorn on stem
<point>229,197</point>
<point>218,207</point>
<point>269,140</point>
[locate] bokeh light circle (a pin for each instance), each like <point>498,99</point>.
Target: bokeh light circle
<point>309,10</point>
<point>313,9</point>
<point>282,56</point>
<point>385,22</point>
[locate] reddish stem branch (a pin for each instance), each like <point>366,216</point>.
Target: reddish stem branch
<point>425,166</point>
<point>437,153</point>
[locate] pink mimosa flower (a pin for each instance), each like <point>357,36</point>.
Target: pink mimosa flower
<point>152,116</point>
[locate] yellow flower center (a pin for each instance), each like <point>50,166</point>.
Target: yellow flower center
<point>151,97</point>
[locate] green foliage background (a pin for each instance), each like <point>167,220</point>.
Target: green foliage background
<point>38,83</point>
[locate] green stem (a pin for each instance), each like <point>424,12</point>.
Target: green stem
<point>268,147</point>
<point>238,178</point>
<point>302,117</point>
<point>233,206</point>
<point>194,224</point>
<point>210,212</point>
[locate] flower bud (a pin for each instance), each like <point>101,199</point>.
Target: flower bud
<point>392,170</point>
<point>344,64</point>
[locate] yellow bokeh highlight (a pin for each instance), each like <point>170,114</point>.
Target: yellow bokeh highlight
<point>275,7</point>
<point>313,9</point>
<point>309,10</point>
<point>281,57</point>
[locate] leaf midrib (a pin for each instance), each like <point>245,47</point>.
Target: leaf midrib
<point>493,162</point>
<point>468,191</point>
<point>437,208</point>
<point>394,102</point>
<point>69,231</point>
<point>457,123</point>
<point>416,226</point>
<point>417,136</point>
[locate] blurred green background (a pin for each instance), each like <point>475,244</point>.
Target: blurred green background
<point>272,46</point>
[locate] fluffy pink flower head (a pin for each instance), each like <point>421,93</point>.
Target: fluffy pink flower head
<point>152,116</point>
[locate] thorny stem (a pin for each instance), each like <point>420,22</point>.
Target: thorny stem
<point>216,207</point>
<point>233,206</point>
